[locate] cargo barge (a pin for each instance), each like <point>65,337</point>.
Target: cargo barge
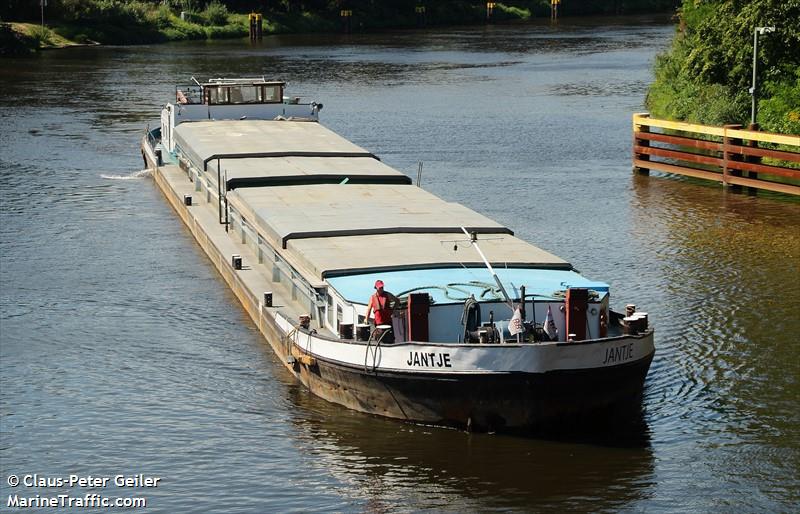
<point>484,331</point>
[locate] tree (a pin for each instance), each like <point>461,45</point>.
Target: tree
<point>705,75</point>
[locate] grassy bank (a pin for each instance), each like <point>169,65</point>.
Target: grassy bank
<point>71,22</point>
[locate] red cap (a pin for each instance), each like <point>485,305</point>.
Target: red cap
<point>378,284</point>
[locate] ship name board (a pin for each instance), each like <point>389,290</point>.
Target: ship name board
<point>619,354</point>
<point>429,359</point>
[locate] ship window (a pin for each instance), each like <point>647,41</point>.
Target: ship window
<point>236,95</point>
<point>218,95</point>
<point>240,94</point>
<point>330,310</point>
<point>272,94</point>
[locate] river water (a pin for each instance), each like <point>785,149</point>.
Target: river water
<point>123,351</point>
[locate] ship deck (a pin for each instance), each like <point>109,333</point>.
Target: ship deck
<point>331,208</point>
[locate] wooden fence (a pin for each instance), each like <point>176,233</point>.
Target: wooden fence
<point>728,154</point>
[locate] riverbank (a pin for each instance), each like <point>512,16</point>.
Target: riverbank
<point>17,38</point>
<point>706,75</point>
<point>139,22</point>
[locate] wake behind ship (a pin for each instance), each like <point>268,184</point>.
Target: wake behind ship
<point>484,330</point>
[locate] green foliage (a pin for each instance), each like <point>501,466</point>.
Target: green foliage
<point>704,77</point>
<point>161,17</point>
<point>72,33</point>
<point>230,31</point>
<point>584,7</point>
<point>216,13</point>
<point>189,6</point>
<point>42,35</point>
<point>182,30</point>
<point>13,42</point>
<point>512,12</point>
<point>781,110</point>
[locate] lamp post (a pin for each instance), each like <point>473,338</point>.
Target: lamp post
<point>759,31</point>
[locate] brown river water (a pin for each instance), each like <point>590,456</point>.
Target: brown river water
<point>123,352</point>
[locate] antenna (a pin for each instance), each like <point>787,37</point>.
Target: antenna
<point>473,239</point>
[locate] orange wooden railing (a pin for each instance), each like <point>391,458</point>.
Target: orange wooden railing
<point>728,154</point>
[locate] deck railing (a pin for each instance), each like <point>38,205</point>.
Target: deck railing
<point>728,154</point>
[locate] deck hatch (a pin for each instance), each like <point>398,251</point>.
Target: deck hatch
<point>265,155</point>
<point>301,180</point>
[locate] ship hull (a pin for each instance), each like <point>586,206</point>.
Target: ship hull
<point>486,401</point>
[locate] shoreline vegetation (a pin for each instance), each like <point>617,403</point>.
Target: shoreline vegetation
<point>121,22</point>
<point>706,75</point>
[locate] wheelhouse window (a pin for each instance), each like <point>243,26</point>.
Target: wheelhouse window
<point>273,94</point>
<point>235,94</point>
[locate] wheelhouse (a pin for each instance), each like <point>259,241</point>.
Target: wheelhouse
<point>222,91</point>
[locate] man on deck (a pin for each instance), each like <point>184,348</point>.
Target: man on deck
<point>381,304</point>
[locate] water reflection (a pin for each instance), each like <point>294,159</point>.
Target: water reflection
<point>731,265</point>
<point>398,466</point>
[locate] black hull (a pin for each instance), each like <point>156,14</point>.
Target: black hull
<point>510,402</point>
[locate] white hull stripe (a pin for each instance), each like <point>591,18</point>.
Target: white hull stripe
<point>475,359</point>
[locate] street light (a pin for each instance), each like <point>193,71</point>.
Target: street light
<point>759,31</point>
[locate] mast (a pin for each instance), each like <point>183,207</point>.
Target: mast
<point>473,240</point>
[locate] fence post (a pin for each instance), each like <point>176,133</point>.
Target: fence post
<point>637,127</point>
<point>753,158</point>
<point>420,11</point>
<point>729,154</point>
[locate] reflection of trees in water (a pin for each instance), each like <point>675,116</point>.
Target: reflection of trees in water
<point>398,466</point>
<point>728,265</point>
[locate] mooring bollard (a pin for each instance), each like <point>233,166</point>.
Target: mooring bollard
<point>347,16</point>
<point>554,9</point>
<point>256,26</point>
<point>420,11</point>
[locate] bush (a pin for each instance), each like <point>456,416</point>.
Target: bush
<point>42,35</point>
<point>512,12</point>
<point>181,30</point>
<point>230,31</point>
<point>191,6</point>
<point>161,17</point>
<point>780,112</point>
<point>705,75</point>
<point>216,14</point>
